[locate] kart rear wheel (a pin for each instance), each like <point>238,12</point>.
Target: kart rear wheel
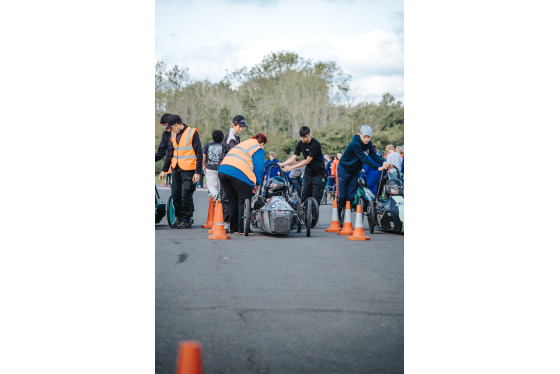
<point>170,211</point>
<point>314,210</point>
<point>370,213</point>
<point>309,216</point>
<point>299,210</point>
<point>247,217</point>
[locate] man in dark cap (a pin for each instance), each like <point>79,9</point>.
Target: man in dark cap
<point>165,138</point>
<point>229,142</point>
<point>184,155</point>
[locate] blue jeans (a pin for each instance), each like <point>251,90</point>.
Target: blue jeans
<point>347,186</point>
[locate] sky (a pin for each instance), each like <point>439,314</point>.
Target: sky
<point>212,37</point>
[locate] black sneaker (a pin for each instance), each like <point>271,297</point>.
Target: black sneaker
<point>183,225</point>
<point>174,224</point>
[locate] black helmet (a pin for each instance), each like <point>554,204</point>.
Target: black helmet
<point>393,187</point>
<point>275,186</point>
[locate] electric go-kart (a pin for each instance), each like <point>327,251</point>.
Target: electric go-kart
<point>385,209</point>
<point>164,209</point>
<point>274,211</point>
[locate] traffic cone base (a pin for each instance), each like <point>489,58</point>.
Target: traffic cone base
<point>347,227</point>
<point>359,230</point>
<point>335,225</point>
<point>210,221</point>
<point>219,231</point>
<point>189,360</point>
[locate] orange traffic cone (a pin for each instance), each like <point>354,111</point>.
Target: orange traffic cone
<point>164,182</point>
<point>189,360</point>
<point>335,224</point>
<point>347,227</point>
<point>359,230</point>
<point>210,221</point>
<point>211,231</point>
<point>219,231</point>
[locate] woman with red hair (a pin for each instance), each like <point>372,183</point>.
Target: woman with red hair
<point>240,174</point>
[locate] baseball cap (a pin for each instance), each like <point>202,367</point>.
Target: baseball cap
<point>172,120</point>
<point>366,130</point>
<point>240,120</point>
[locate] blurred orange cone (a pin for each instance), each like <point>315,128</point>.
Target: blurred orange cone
<point>164,182</point>
<point>359,230</point>
<point>189,360</point>
<point>219,231</point>
<point>210,221</point>
<point>347,227</point>
<point>211,231</point>
<point>335,224</point>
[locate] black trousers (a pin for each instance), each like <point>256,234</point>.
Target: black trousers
<point>182,189</point>
<point>236,191</point>
<point>313,186</point>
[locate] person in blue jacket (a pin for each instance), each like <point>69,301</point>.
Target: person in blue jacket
<point>275,172</point>
<point>372,175</point>
<point>240,175</point>
<point>352,162</point>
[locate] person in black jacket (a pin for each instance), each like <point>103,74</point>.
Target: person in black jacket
<point>165,138</point>
<point>186,172</point>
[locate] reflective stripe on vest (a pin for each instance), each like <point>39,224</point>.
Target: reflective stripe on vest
<point>240,157</point>
<point>183,153</point>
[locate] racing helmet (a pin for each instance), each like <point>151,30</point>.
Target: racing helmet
<point>393,187</point>
<point>275,186</point>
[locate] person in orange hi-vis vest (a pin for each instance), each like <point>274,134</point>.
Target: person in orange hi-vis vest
<point>184,155</point>
<point>240,175</point>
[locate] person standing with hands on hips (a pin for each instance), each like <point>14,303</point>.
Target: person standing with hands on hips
<point>185,157</point>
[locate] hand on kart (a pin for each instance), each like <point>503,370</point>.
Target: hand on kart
<point>255,189</point>
<point>161,175</point>
<point>196,178</point>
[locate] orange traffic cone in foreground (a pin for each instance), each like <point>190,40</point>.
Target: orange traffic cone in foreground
<point>347,227</point>
<point>359,230</point>
<point>189,360</point>
<point>219,231</point>
<point>210,221</point>
<point>335,224</point>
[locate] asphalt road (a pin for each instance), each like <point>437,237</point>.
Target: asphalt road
<point>279,304</point>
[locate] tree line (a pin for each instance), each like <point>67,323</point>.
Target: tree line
<point>277,97</point>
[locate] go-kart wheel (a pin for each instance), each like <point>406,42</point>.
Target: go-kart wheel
<point>370,213</point>
<point>170,211</point>
<point>309,216</point>
<point>299,211</point>
<point>314,210</point>
<point>247,217</point>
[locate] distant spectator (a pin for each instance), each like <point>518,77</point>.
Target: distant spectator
<point>275,170</point>
<point>295,176</point>
<point>395,159</point>
<point>212,153</point>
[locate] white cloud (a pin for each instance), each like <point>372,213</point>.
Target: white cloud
<point>374,87</point>
<point>364,38</point>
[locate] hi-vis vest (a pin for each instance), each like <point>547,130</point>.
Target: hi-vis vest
<point>240,157</point>
<point>183,153</point>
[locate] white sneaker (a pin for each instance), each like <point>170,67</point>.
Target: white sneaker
<point>226,226</point>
